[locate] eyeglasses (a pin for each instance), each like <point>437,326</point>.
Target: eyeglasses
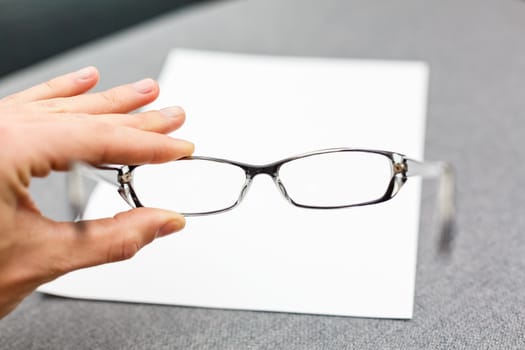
<point>324,179</point>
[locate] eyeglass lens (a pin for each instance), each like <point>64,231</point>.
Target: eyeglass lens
<point>321,180</point>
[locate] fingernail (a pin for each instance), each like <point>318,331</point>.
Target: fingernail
<point>85,73</point>
<point>171,226</point>
<point>172,112</point>
<point>189,146</point>
<point>144,86</point>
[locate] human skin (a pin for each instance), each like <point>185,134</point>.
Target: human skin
<point>46,128</point>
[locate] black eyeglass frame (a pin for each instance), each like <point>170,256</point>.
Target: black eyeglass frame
<point>402,167</point>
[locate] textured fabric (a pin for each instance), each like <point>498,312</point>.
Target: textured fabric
<point>476,119</point>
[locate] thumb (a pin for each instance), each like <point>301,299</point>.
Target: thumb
<point>118,238</point>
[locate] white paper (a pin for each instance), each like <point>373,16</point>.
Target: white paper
<point>267,254</point>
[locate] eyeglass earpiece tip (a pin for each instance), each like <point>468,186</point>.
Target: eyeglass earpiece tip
<point>448,232</point>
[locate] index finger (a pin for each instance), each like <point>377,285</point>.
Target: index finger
<point>96,142</point>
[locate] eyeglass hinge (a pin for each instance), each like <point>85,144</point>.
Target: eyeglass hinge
<point>125,178</point>
<point>400,168</point>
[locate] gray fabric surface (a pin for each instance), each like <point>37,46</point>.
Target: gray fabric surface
<point>476,120</point>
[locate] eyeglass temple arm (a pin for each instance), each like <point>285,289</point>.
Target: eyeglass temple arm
<point>76,191</point>
<point>444,172</point>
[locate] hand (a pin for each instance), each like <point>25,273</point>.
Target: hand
<point>47,127</point>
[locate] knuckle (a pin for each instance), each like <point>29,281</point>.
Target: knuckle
<point>12,136</point>
<point>53,105</point>
<point>110,99</point>
<point>136,121</point>
<point>49,85</point>
<point>124,251</point>
<point>105,133</point>
<point>6,133</point>
<point>104,129</point>
<point>149,121</point>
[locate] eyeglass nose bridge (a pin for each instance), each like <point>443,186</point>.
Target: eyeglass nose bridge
<point>271,170</point>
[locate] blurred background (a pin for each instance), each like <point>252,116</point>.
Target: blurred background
<point>33,30</point>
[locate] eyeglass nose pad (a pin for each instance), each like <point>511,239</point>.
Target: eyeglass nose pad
<point>245,188</point>
<point>281,188</point>
<point>123,190</point>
